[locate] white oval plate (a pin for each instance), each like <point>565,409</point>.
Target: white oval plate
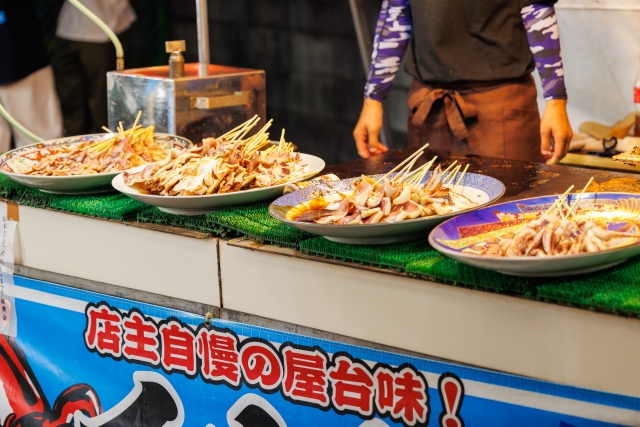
<point>77,184</point>
<point>485,225</point>
<point>198,205</point>
<point>479,188</point>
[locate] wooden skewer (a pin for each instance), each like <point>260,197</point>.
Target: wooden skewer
<point>243,132</point>
<point>135,124</point>
<point>408,159</point>
<point>403,172</point>
<point>258,141</point>
<point>451,176</point>
<point>102,144</point>
<point>404,169</point>
<point>419,179</point>
<point>408,168</point>
<point>560,200</point>
<point>235,130</point>
<point>447,169</point>
<point>414,177</point>
<point>121,130</point>
<point>575,204</point>
<point>455,187</point>
<point>244,129</point>
<point>562,206</point>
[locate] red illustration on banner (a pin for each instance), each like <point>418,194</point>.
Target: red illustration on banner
<point>305,376</point>
<point>261,365</point>
<point>451,395</point>
<point>178,348</point>
<point>353,386</point>
<point>104,330</point>
<point>140,339</point>
<point>25,402</point>
<point>219,354</point>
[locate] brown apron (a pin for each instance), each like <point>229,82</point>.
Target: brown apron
<point>493,119</point>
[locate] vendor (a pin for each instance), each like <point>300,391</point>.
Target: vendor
<point>83,54</point>
<point>472,90</point>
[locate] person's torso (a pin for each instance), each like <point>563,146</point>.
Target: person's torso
<point>458,41</point>
<point>74,25</point>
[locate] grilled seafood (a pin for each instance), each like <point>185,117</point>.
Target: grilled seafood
<point>396,199</point>
<point>560,231</point>
<point>223,165</point>
<point>121,151</point>
<point>553,235</point>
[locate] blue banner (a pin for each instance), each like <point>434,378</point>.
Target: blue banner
<point>86,359</point>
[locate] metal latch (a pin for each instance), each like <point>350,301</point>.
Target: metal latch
<point>210,102</point>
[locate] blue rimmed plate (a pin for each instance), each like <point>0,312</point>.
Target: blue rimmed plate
<point>481,189</point>
<point>13,161</point>
<point>479,229</point>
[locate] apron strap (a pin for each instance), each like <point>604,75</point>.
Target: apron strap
<point>457,110</point>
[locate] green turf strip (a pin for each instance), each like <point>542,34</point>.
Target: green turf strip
<point>439,267</point>
<point>196,222</point>
<point>396,256</point>
<point>254,221</point>
<point>615,290</point>
<point>112,206</point>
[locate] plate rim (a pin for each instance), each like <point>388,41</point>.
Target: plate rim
<point>386,224</point>
<point>441,248</point>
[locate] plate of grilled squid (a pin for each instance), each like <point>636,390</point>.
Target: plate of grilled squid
<point>402,205</point>
<point>232,169</point>
<point>549,236</point>
<point>87,163</point>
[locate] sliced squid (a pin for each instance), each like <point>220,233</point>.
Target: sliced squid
<point>403,197</point>
<point>412,209</point>
<point>373,219</point>
<point>375,199</point>
<point>386,205</point>
<point>370,212</point>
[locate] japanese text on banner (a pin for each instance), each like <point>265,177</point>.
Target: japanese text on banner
<point>8,318</point>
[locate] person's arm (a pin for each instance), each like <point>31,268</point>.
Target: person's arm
<point>541,25</point>
<point>393,32</point>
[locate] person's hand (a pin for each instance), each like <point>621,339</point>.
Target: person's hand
<point>555,123</point>
<point>368,128</point>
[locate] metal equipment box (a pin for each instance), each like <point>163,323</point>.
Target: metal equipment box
<point>192,106</point>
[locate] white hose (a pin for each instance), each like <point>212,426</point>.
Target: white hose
<point>4,113</point>
<point>104,27</point>
<point>119,65</point>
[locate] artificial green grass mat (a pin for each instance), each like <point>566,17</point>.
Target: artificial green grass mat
<point>614,290</point>
<point>438,267</point>
<point>396,256</point>
<point>112,206</point>
<point>196,222</point>
<point>254,221</point>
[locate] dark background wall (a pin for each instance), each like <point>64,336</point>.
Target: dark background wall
<point>309,51</point>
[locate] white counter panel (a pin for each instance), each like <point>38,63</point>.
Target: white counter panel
<point>114,253</point>
<point>530,338</point>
